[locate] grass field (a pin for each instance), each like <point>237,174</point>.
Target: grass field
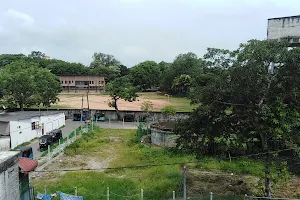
<point>119,151</point>
<point>98,101</point>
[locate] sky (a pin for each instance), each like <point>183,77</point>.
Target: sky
<point>134,30</point>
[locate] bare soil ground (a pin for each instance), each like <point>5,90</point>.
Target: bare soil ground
<point>101,102</point>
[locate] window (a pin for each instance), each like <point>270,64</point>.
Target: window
<point>69,82</point>
<point>62,82</point>
<point>102,82</point>
<point>92,82</point>
<point>34,125</point>
<point>65,82</point>
<point>295,39</point>
<point>99,82</point>
<point>72,81</point>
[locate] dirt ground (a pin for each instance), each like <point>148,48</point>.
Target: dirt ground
<point>101,102</point>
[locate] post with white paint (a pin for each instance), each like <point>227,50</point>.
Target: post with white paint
<point>173,195</point>
<point>184,183</point>
<point>107,193</point>
<point>142,194</point>
<point>211,196</point>
<point>109,123</point>
<point>45,190</point>
<point>49,152</point>
<point>123,123</point>
<point>75,191</point>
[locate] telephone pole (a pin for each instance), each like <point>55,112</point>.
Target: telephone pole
<point>81,109</point>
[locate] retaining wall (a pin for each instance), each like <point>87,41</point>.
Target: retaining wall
<point>163,138</point>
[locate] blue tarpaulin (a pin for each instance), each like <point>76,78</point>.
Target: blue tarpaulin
<point>43,196</point>
<point>64,196</point>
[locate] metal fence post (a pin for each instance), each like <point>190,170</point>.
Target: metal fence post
<point>184,183</point>
<point>211,196</point>
<point>173,195</point>
<point>75,191</point>
<point>49,152</point>
<point>123,122</point>
<point>109,123</point>
<point>107,193</point>
<point>142,194</point>
<point>245,197</point>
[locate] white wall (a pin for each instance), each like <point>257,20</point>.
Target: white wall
<point>9,182</point>
<point>4,143</point>
<point>53,122</point>
<point>21,131</point>
<point>283,27</point>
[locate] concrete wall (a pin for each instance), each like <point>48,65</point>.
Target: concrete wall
<point>4,128</point>
<point>163,138</point>
<point>9,176</point>
<point>284,27</point>
<point>21,131</point>
<point>112,115</point>
<point>5,143</point>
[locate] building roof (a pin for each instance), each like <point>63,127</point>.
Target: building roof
<point>20,115</point>
<point>6,155</point>
<point>295,16</point>
<point>27,165</point>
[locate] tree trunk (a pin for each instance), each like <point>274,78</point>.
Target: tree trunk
<point>264,140</point>
<point>268,176</point>
<point>116,107</point>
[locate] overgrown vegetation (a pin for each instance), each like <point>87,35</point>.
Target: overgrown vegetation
<point>121,147</point>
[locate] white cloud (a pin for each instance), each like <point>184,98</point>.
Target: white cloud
<point>25,18</point>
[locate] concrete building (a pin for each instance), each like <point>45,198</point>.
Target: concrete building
<point>82,83</point>
<point>9,175</point>
<point>19,127</point>
<point>285,28</point>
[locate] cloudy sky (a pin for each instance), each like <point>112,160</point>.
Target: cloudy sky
<point>134,30</point>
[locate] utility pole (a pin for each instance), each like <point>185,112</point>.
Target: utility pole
<point>81,108</point>
<point>184,182</point>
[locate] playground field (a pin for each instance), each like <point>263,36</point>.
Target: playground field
<point>97,101</point>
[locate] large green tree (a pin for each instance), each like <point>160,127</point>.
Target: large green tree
<point>120,88</point>
<point>145,75</point>
<point>250,105</point>
<point>24,83</point>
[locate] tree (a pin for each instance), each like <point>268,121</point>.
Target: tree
<point>147,107</point>
<point>36,55</point>
<point>48,87</point>
<point>24,83</point>
<point>246,108</point>
<point>168,111</point>
<point>104,60</point>
<point>124,70</point>
<point>182,83</point>
<point>59,67</point>
<point>6,59</point>
<point>145,75</point>
<point>184,64</point>
<point>120,88</point>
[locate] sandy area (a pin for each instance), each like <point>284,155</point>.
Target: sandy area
<point>101,102</point>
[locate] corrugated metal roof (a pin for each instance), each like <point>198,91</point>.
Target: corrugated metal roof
<point>27,164</point>
<point>20,115</point>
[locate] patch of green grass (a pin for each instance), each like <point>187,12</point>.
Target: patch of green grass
<point>182,104</point>
<point>122,149</point>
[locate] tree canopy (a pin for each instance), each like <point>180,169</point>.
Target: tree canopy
<point>251,105</point>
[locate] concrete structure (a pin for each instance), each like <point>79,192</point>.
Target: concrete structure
<point>9,175</point>
<point>23,126</point>
<point>163,138</point>
<point>285,28</point>
<point>82,83</point>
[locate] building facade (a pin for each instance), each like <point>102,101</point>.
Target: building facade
<point>9,175</point>
<point>285,28</point>
<point>82,83</point>
<point>23,126</point>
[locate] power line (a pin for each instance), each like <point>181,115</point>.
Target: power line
<point>155,165</point>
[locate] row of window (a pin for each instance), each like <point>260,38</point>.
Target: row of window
<point>91,82</point>
<point>35,125</point>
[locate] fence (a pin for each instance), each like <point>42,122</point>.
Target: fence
<point>141,130</point>
<point>59,146</point>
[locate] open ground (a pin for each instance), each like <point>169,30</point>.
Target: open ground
<point>100,101</point>
<point>108,152</point>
